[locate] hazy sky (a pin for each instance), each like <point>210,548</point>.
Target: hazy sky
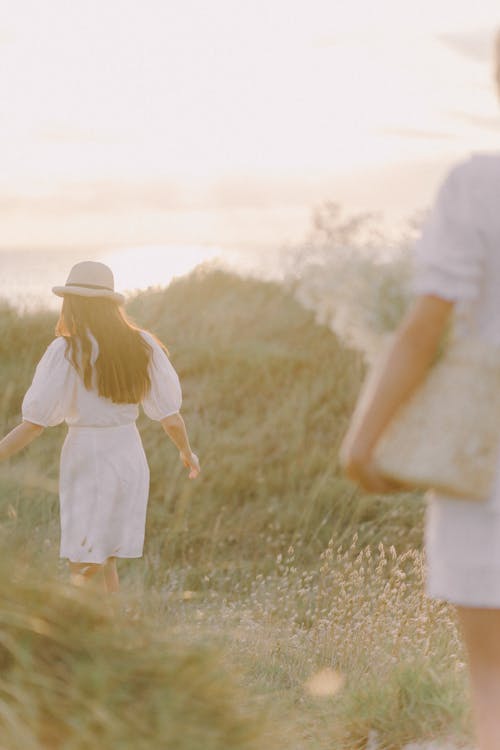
<point>225,122</point>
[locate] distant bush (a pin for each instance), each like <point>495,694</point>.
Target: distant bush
<point>355,279</point>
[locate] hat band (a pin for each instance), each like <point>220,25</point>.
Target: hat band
<point>93,286</point>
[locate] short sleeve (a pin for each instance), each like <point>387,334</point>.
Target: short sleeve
<point>449,253</point>
<point>46,402</point>
<point>165,396</point>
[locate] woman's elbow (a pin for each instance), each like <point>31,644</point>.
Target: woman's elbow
<point>172,421</point>
<point>34,429</point>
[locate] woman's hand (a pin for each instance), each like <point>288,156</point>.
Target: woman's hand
<point>191,461</point>
<point>19,438</point>
<point>176,430</point>
<point>403,367</point>
<point>360,467</point>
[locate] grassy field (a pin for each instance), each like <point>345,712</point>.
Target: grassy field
<point>297,598</point>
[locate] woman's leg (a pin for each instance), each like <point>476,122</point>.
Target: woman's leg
<point>83,573</point>
<point>111,576</point>
<point>105,574</point>
<point>481,629</point>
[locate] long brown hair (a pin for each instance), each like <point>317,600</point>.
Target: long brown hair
<point>121,368</point>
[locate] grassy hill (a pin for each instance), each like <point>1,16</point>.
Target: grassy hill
<point>267,394</point>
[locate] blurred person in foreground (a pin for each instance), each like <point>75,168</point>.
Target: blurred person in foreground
<point>457,274</point>
<point>93,376</point>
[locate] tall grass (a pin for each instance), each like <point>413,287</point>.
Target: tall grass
<point>344,650</point>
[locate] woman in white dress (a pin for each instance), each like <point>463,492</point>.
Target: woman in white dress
<point>457,273</point>
<point>93,376</point>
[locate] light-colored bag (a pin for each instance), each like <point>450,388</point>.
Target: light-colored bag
<point>446,437</point>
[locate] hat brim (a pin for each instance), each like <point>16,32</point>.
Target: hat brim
<point>80,291</point>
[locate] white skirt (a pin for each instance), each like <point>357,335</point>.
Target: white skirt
<point>103,493</point>
<point>462,544</point>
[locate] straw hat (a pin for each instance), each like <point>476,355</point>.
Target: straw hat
<point>90,279</point>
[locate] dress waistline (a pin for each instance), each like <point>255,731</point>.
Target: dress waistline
<point>101,426</point>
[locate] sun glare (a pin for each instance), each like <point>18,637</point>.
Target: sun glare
<point>154,266</point>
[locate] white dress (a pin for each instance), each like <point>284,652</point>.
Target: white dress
<point>104,475</point>
<point>458,259</point>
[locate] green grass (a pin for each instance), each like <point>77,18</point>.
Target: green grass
<point>257,558</point>
<point>412,700</point>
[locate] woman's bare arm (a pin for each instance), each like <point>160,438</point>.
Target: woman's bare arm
<point>19,438</point>
<point>412,352</point>
<point>175,428</point>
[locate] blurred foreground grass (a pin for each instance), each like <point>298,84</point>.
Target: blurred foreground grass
<point>73,676</point>
<point>257,556</point>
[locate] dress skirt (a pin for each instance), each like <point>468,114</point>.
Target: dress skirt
<point>103,493</point>
<point>462,543</point>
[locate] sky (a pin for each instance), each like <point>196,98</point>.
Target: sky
<point>126,122</point>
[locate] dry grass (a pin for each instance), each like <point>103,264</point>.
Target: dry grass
<point>388,659</point>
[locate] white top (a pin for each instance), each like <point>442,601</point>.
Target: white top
<point>58,393</point>
<point>458,258</point>
<point>458,254</point>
